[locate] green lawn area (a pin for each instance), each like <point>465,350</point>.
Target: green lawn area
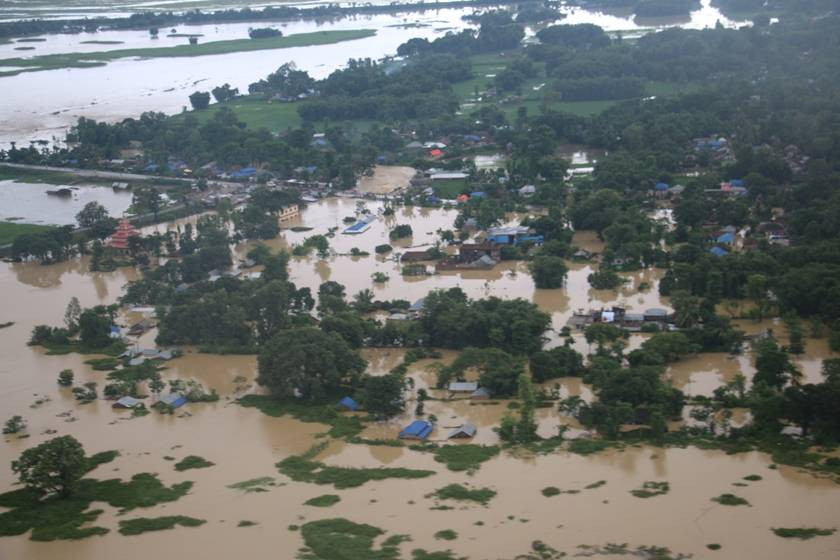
<point>86,60</point>
<point>450,188</point>
<point>256,112</point>
<point>10,230</point>
<point>47,177</point>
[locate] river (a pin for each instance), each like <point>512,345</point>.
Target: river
<point>32,108</point>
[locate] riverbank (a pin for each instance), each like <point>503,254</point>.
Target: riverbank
<point>89,60</point>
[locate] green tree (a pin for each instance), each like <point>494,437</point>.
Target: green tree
<point>14,425</point>
<point>382,395</point>
<point>200,100</point>
<point>307,363</point>
<point>94,329</point>
<point>548,272</point>
<point>147,200</point>
<point>562,361</point>
<point>53,467</point>
<point>65,377</point>
<point>72,314</point>
<point>773,366</point>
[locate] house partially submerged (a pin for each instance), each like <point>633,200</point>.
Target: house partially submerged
<point>620,317</point>
<point>175,400</point>
<point>417,308</point>
<point>514,235</point>
<point>480,394</point>
<point>127,402</point>
<point>484,255</point>
<point>419,429</point>
<point>462,432</point>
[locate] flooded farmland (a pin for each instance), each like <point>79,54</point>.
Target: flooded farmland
<point>245,444</point>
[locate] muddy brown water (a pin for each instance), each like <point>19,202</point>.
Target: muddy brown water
<point>246,444</point>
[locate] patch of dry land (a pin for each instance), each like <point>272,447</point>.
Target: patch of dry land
<point>385,179</point>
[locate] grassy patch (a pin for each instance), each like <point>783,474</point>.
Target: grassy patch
<point>420,554</point>
<point>450,188</point>
<point>145,524</point>
<point>104,364</point>
<point>752,477</point>
<point>51,518</point>
<point>730,500</point>
<point>462,493</point>
<point>595,484</point>
<point>326,500</point>
<point>301,468</point>
<point>590,446</point>
<point>550,491</point>
<point>341,539</point>
<point>254,485</point>
<point>446,535</point>
<point>87,60</point>
<point>46,176</point>
<point>802,533</point>
<point>246,523</point>
<point>713,546</point>
<point>324,413</point>
<point>114,349</point>
<point>651,489</point>
<point>10,230</point>
<point>467,457</point>
<point>193,462</point>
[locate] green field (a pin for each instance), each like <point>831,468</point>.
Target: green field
<point>10,230</point>
<point>450,188</point>
<point>256,112</point>
<point>35,176</point>
<point>87,60</point>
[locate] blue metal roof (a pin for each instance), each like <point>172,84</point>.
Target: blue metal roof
<point>726,238</point>
<point>419,429</point>
<point>661,186</point>
<point>718,252</point>
<point>348,403</point>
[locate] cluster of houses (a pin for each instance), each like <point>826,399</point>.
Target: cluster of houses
<point>717,146</point>
<point>422,429</point>
<point>621,317</point>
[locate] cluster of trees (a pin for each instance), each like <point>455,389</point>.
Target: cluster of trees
<point>497,31</point>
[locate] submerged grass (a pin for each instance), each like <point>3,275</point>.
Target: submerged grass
<point>462,493</point>
<point>467,457</point>
<point>301,468</point>
<point>802,533</point>
<point>104,364</point>
<point>193,462</point>
<point>142,525</point>
<point>341,539</point>
<point>51,518</point>
<point>324,413</point>
<point>730,500</point>
<point>651,489</point>
<point>326,500</point>
<point>254,484</point>
<point>446,535</point>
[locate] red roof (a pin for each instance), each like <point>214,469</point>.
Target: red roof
<point>119,239</point>
<point>436,153</point>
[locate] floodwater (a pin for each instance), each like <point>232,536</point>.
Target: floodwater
<point>386,179</point>
<point>30,203</point>
<point>245,444</point>
<point>126,87</point>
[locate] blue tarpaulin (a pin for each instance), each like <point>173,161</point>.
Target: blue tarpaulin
<point>348,403</point>
<point>718,252</point>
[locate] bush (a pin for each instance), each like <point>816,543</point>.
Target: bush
<point>382,249</point>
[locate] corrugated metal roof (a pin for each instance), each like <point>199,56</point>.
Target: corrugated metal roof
<point>463,386</point>
<point>466,430</point>
<point>419,429</point>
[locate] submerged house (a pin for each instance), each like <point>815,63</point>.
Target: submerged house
<point>174,400</point>
<point>419,429</point>
<point>480,394</point>
<point>464,431</point>
<point>127,402</point>
<point>514,235</point>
